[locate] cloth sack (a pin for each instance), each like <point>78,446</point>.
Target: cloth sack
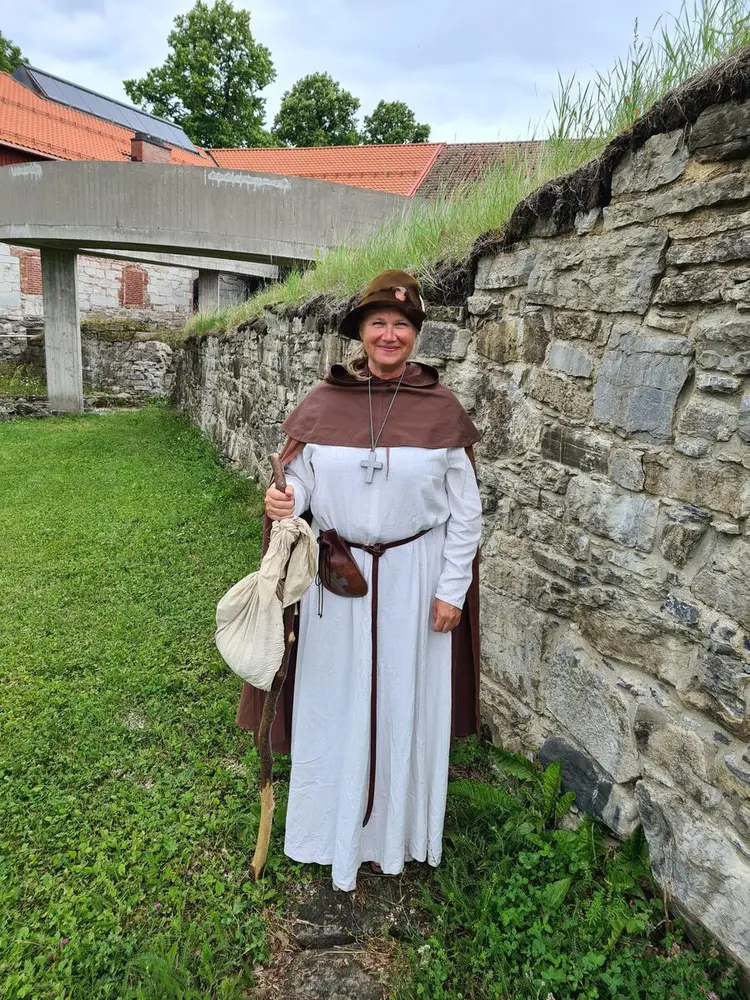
<point>249,628</point>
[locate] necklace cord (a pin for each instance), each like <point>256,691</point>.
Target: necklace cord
<point>374,440</point>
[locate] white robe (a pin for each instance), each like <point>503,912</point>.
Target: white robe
<point>417,488</point>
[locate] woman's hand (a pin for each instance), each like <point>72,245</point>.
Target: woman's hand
<point>445,616</point>
<point>279,505</point>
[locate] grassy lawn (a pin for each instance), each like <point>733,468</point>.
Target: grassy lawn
<point>126,787</point>
<point>128,794</point>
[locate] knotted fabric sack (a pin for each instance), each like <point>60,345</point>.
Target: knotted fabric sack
<point>249,630</point>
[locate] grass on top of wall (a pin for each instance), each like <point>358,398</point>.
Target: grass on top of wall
<point>583,118</point>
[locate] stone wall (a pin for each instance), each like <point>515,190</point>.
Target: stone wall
<point>609,372</point>
<point>142,366</point>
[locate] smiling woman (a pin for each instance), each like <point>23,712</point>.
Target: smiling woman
<point>380,455</point>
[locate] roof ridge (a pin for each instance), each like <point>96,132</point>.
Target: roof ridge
<point>359,145</point>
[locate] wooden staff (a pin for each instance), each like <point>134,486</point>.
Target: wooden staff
<point>269,713</point>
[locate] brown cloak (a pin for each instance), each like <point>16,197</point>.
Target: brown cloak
<point>426,414</point>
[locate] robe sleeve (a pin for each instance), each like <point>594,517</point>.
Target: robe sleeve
<point>463,529</point>
<point>301,475</point>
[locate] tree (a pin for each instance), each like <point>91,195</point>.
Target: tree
<point>10,55</point>
<point>317,111</point>
<point>393,122</point>
<point>209,82</point>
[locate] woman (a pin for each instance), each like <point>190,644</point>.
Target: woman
<point>380,454</point>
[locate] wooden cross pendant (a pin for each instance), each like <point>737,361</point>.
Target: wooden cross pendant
<point>371,463</point>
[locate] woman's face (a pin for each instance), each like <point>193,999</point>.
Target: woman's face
<point>388,339</point>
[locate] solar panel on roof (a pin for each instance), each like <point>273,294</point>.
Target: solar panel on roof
<point>110,110</point>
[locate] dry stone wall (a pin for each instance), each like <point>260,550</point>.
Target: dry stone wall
<point>609,372</point>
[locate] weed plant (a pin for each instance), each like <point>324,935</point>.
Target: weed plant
<point>523,908</point>
<point>584,116</point>
<point>128,793</point>
<point>21,380</point>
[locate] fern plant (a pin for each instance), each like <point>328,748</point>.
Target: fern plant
<point>522,908</point>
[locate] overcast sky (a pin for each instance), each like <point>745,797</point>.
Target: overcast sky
<point>478,71</point>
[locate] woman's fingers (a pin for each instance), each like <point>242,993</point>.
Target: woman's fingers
<point>445,616</point>
<point>278,504</point>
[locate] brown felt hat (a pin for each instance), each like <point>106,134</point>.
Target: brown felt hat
<point>394,289</point>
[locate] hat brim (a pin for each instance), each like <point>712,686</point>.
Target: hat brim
<point>349,325</point>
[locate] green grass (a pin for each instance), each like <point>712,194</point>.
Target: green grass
<point>129,796</point>
<point>522,909</point>
<point>128,793</point>
<point>583,117</point>
<point>21,380</point>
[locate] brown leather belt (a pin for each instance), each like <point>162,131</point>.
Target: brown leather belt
<point>376,551</point>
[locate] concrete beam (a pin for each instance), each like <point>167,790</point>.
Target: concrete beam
<point>191,263</point>
<point>208,291</point>
<point>62,331</point>
<point>165,208</point>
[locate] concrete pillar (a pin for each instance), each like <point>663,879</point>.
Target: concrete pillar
<point>208,291</point>
<point>62,330</point>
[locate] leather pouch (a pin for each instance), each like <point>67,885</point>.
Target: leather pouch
<point>337,567</point>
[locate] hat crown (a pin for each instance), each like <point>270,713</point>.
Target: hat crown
<point>395,289</point>
<point>400,286</point>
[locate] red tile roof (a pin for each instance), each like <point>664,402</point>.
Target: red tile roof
<point>398,169</point>
<point>459,162</point>
<point>33,123</point>
<point>43,128</point>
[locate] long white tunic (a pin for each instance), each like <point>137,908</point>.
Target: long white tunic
<point>417,488</point>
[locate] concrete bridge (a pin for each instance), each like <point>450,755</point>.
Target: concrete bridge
<point>181,216</point>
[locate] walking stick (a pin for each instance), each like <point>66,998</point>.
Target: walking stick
<point>269,713</point>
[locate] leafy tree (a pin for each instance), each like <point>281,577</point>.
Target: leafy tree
<point>10,55</point>
<point>393,122</point>
<point>317,111</point>
<point>209,82</point>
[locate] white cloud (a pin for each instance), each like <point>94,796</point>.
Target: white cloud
<point>474,72</point>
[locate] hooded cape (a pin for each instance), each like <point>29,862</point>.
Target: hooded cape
<point>425,414</point>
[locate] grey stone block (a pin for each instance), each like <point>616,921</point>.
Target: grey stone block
<point>559,393</point>
<point>575,448</point>
<point>661,160</point>
<point>443,340</point>
<point>733,245</point>
<point>576,325</point>
<point>584,702</point>
<point>595,791</point>
<point>639,381</point>
<point>724,582</point>
<point>684,529</point>
<point>626,468</point>
<point>510,423</point>
<point>505,270</point>
<point>719,486</point>
<point>721,133</point>
<point>684,612</point>
<point>606,510</point>
<point>723,384</point>
<point>710,419</point>
<point>613,272</point>
<point>571,360</point>
<point>719,685</point>
<point>696,866</point>
<point>513,640</point>
<point>677,200</point>
<point>743,423</point>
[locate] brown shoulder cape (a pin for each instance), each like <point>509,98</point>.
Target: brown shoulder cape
<point>425,414</point>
